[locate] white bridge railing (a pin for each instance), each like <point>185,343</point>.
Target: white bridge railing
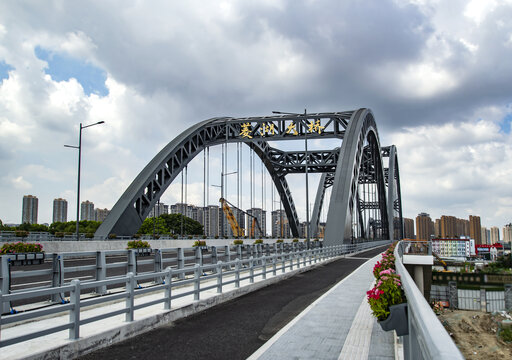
<point>427,338</point>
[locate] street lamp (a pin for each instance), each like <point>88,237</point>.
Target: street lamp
<point>307,161</point>
<point>79,147</point>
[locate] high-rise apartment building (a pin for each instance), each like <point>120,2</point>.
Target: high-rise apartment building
<point>475,231</point>
<point>462,227</point>
<point>507,233</point>
<point>408,228</point>
<point>437,228</point>
<point>87,211</point>
<point>29,209</point>
<point>211,216</point>
<point>280,225</point>
<point>261,215</point>
<point>157,210</point>
<point>448,227</point>
<point>424,226</point>
<point>495,235</point>
<point>483,235</point>
<point>303,229</point>
<point>60,210</point>
<point>101,214</point>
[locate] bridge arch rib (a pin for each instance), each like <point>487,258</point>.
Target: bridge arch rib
<point>360,157</point>
<point>132,208</point>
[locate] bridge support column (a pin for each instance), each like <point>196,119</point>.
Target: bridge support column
<point>4,282</point>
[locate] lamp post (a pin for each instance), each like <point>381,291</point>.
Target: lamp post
<point>306,166</point>
<point>79,147</point>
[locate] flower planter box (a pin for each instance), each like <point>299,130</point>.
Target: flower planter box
<point>143,251</point>
<point>27,259</point>
<point>397,320</point>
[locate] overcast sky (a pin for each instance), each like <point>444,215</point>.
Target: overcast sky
<point>437,75</point>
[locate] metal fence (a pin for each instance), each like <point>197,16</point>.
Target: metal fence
<point>222,273</point>
<point>477,300</point>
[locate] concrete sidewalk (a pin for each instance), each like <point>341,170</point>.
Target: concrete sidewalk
<point>338,325</point>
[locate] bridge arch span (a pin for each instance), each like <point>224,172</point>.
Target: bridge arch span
<point>344,207</point>
<point>139,198</point>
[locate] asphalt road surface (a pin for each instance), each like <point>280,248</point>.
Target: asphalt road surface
<point>235,329</point>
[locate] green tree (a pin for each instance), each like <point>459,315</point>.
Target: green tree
<point>159,226</point>
<point>190,226</point>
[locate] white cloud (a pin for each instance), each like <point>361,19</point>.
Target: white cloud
<point>21,183</point>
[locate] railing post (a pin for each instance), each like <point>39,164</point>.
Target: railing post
<point>274,248</point>
<point>57,276</point>
<point>181,263</point>
<point>130,289</point>
<point>158,265</point>
<point>168,288</point>
<point>264,267</point>
<point>227,254</point>
<point>283,263</point>
<point>132,261</point>
<point>199,256</point>
<point>4,282</point>
<point>197,281</point>
<point>274,265</point>
<point>483,301</point>
<point>239,252</point>
<point>74,313</point>
<point>237,273</point>
<point>214,257</point>
<point>292,256</point>
<point>251,269</point>
<point>298,254</point>
<point>219,277</point>
<point>101,271</point>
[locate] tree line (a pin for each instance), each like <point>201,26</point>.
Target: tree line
<point>164,224</point>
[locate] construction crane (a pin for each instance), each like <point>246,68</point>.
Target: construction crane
<point>438,258</point>
<point>237,230</point>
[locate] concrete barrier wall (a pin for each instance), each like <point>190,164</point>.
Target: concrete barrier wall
<point>96,245</point>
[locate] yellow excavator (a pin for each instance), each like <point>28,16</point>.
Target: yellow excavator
<point>445,265</point>
<point>237,230</point>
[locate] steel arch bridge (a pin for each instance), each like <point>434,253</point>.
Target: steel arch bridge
<point>365,202</point>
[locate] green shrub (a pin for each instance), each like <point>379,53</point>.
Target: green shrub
<point>112,236</point>
<point>190,237</point>
<point>138,244</point>
<point>295,240</point>
<point>89,235</point>
<point>136,236</point>
<point>279,241</point>
<point>199,243</point>
<point>238,242</point>
<point>20,247</point>
<point>258,241</point>
<point>59,234</point>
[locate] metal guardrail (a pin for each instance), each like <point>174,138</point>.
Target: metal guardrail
<point>427,338</point>
<point>224,273</point>
<point>102,269</point>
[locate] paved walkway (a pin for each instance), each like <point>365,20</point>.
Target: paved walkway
<point>338,325</point>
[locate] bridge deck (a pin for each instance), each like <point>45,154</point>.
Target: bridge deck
<point>330,328</point>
